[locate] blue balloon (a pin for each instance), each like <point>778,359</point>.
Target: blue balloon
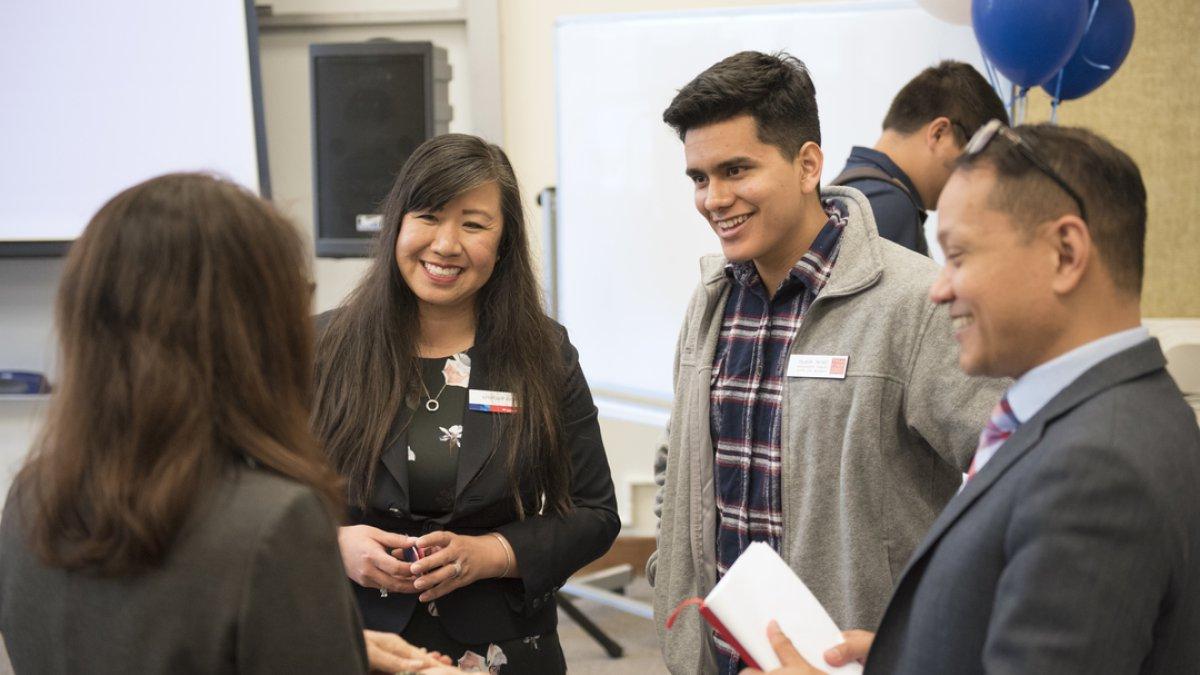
<point>1029,41</point>
<point>1103,49</point>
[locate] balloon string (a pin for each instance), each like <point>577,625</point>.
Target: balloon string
<point>999,82</point>
<point>1086,30</point>
<point>991,74</point>
<point>1057,99</point>
<point>987,68</point>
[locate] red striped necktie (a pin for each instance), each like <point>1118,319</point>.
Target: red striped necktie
<point>1000,426</point>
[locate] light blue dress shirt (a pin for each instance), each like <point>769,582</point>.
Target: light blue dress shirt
<point>1034,389</point>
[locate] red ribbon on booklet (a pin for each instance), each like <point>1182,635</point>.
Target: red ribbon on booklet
<point>716,626</point>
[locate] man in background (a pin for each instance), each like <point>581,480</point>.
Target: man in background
<point>817,404</point>
<point>923,133</point>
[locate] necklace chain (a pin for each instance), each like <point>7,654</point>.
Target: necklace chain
<point>431,402</point>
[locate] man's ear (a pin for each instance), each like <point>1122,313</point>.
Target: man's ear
<point>936,130</point>
<point>1070,241</point>
<point>811,161</point>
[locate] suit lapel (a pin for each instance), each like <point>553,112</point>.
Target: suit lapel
<point>476,447</point>
<point>395,455</point>
<point>1139,360</point>
<point>1022,440</point>
<point>478,427</point>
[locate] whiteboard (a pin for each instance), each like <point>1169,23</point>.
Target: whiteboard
<point>102,95</point>
<point>629,237</point>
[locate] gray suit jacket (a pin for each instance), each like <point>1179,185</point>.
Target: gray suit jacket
<point>253,584</point>
<point>1076,549</point>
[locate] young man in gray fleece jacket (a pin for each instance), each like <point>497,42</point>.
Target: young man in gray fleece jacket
<point>818,403</point>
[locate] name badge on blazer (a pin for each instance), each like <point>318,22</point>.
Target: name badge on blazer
<point>818,365</point>
<point>482,400</point>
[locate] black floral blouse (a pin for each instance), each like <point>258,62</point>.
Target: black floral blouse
<point>435,434</point>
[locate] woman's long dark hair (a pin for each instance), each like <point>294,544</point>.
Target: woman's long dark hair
<point>367,355</point>
<point>186,347</point>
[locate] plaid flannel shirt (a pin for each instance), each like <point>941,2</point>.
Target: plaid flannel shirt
<point>748,377</point>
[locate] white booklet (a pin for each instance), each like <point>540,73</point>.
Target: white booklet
<point>760,587</point>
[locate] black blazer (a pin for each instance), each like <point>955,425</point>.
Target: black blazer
<point>548,549</point>
<point>1076,549</point>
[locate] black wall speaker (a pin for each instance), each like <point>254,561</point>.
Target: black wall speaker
<point>373,103</point>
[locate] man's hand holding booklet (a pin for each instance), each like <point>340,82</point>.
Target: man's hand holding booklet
<point>760,589</point>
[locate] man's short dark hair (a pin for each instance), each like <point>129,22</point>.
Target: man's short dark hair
<point>950,89</point>
<point>774,89</point>
<point>1106,178</point>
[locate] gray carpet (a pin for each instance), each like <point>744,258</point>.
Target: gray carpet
<point>635,635</point>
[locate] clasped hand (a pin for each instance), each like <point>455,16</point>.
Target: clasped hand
<point>456,560</point>
<point>372,558</point>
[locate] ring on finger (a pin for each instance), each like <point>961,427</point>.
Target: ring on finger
<point>457,569</point>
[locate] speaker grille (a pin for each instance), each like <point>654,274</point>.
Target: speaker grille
<point>371,108</point>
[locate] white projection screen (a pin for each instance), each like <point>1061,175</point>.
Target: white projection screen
<point>98,96</point>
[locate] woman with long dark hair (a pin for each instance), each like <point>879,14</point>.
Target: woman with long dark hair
<point>457,413</point>
<point>176,514</point>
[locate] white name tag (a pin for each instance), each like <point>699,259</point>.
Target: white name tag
<point>818,365</point>
<point>482,400</point>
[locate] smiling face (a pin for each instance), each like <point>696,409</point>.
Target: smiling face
<point>997,281</point>
<point>446,256</point>
<point>751,196</point>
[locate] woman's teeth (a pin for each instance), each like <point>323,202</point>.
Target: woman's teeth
<point>439,271</point>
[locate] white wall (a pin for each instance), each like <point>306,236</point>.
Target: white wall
<point>27,289</point>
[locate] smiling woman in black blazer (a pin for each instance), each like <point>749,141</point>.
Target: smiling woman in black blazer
<point>457,413</point>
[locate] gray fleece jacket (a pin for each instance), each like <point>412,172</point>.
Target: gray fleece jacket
<point>868,461</point>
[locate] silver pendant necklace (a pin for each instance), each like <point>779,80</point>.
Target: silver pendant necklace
<point>431,402</point>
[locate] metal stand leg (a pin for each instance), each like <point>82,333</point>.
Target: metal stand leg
<point>613,649</point>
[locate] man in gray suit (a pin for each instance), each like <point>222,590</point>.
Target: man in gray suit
<point>1074,547</point>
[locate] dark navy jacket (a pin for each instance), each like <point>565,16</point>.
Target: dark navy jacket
<point>897,217</point>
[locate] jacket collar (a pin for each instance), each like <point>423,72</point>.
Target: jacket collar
<point>864,156</point>
<point>1137,361</point>
<point>859,263</point>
